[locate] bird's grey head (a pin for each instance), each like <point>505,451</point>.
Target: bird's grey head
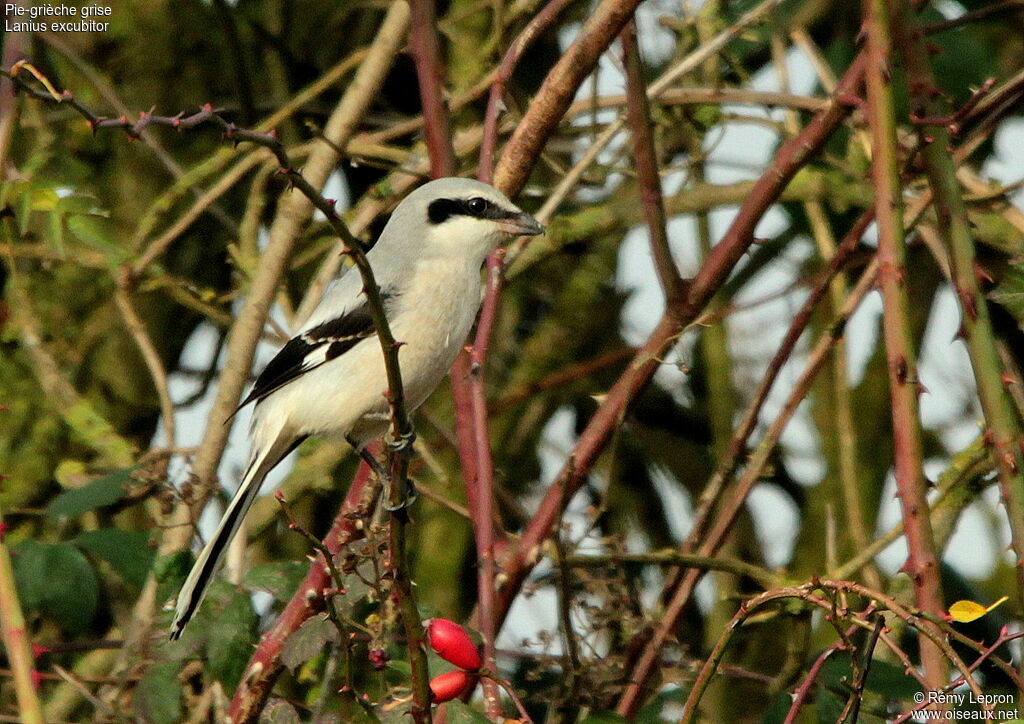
<point>461,217</point>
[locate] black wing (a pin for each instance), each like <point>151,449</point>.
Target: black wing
<point>307,351</point>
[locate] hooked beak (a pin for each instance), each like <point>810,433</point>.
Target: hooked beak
<point>521,224</point>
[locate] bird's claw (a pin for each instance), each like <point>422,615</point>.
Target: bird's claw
<point>403,444</point>
<point>407,500</point>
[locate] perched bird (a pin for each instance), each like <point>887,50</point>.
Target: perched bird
<point>329,379</point>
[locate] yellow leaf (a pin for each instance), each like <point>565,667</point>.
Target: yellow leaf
<point>967,611</point>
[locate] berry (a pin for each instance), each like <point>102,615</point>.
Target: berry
<point>452,643</point>
<point>448,686</point>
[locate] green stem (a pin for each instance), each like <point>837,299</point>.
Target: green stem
<point>922,563</point>
<point>16,644</point>
<point>1003,429</point>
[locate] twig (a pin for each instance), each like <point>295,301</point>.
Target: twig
<point>646,160</point>
<point>674,558</point>
<point>986,655</point>
<point>805,592</point>
<point>973,16</point>
<point>654,91</point>
<point>804,690</point>
<point>426,53</point>
<point>533,29</point>
<point>157,371</point>
<point>708,96</point>
<point>524,715</point>
<point>852,709</point>
<point>556,93</point>
<point>791,156</point>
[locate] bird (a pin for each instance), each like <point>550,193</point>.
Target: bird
<point>329,380</point>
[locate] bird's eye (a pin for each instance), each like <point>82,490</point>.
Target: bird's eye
<point>477,205</point>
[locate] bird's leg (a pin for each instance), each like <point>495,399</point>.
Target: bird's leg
<point>369,459</point>
<point>403,445</point>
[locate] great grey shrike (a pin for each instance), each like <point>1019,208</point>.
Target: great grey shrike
<point>329,379</point>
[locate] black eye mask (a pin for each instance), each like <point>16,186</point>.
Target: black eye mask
<point>477,207</point>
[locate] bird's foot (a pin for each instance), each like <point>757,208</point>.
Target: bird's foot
<point>403,444</point>
<point>407,500</point>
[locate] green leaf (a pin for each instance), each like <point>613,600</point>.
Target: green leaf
<point>460,713</point>
<point>56,580</point>
<point>778,708</point>
<point>55,231</point>
<point>99,493</point>
<point>890,681</point>
<point>44,199</point>
<point>92,232</point>
<point>231,625</point>
<point>80,204</point>
<point>279,711</point>
<point>604,717</point>
<point>127,551</point>
<point>308,641</point>
<point>170,572</point>
<point>1009,293</point>
<point>828,706</point>
<point>651,713</point>
<point>280,580</point>
<point>157,696</point>
<point>24,209</point>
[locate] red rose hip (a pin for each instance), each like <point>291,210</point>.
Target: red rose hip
<point>448,686</point>
<point>452,643</point>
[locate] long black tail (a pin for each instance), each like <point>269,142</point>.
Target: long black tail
<point>199,578</point>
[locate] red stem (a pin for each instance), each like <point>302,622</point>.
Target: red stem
<point>556,93</point>
<point>265,664</point>
<point>533,29</point>
<point>646,160</point>
<point>426,52</point>
<point>804,690</point>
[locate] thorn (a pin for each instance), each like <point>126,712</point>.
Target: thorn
<point>279,496</point>
<point>850,99</point>
<point>38,650</point>
<point>3,531</point>
<point>36,677</point>
<point>207,108</point>
<point>902,370</point>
